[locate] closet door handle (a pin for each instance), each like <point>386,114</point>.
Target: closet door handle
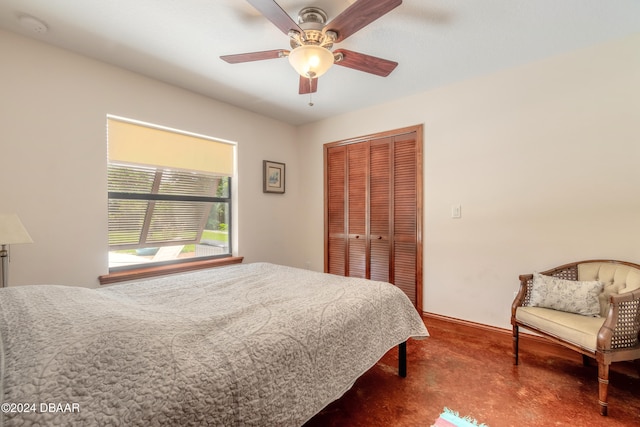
<point>379,237</point>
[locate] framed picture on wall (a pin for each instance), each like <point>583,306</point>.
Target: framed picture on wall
<point>273,177</point>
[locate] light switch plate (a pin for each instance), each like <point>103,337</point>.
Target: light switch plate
<point>456,211</point>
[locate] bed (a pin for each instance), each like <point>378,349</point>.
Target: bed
<point>250,344</point>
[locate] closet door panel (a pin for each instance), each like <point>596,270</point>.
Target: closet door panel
<point>405,268</point>
<point>357,190</point>
<point>405,215</point>
<point>357,258</point>
<point>379,268</point>
<point>337,249</point>
<point>336,161</point>
<point>380,202</point>
<point>405,191</point>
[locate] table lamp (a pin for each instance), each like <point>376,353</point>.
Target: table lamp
<point>11,232</point>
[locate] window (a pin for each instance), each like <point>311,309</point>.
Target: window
<point>169,195</point>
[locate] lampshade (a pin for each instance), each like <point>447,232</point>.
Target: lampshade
<point>12,231</point>
<point>310,60</point>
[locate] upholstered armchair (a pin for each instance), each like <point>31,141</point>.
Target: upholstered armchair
<point>592,307</point>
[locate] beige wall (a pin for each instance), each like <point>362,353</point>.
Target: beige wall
<point>53,158</point>
<point>544,160</point>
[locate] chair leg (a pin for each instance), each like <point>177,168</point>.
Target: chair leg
<point>603,387</point>
<point>515,344</point>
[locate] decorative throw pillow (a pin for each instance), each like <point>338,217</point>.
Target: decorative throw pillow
<point>566,295</point>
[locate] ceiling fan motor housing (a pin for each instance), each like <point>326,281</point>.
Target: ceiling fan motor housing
<point>312,15</point>
<point>312,21</point>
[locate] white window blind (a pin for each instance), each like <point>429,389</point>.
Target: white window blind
<point>133,143</point>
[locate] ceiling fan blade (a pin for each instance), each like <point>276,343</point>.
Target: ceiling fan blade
<point>367,63</point>
<point>254,56</point>
<point>307,87</point>
<point>274,13</point>
<point>359,15</point>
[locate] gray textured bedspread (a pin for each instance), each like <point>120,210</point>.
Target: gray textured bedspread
<point>245,345</point>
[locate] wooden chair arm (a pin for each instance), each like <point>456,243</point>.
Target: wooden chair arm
<point>624,297</point>
<point>523,293</point>
<point>621,328</point>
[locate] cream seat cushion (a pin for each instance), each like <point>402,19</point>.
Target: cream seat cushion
<point>574,328</point>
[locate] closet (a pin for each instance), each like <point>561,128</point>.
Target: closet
<point>373,209</point>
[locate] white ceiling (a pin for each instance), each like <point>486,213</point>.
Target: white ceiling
<point>435,42</point>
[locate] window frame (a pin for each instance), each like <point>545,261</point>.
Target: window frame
<point>179,198</point>
<point>159,268</point>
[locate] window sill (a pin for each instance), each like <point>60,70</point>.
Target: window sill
<point>163,270</point>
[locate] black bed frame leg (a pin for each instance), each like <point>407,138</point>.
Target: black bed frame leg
<point>402,359</point>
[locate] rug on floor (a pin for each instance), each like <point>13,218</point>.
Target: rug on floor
<point>450,418</point>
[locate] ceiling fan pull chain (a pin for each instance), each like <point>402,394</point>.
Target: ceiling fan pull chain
<point>310,91</point>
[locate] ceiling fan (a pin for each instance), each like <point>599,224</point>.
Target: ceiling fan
<point>312,39</point>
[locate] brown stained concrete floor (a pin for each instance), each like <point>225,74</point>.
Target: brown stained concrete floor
<point>473,373</point>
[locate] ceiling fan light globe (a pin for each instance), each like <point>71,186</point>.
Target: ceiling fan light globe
<point>311,61</point>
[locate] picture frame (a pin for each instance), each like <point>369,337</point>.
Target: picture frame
<point>273,177</point>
